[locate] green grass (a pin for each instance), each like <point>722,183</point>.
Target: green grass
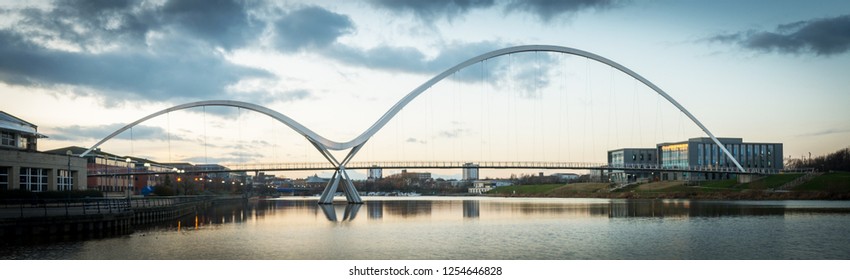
<point>549,189</point>
<point>772,181</point>
<point>722,184</point>
<point>526,189</point>
<point>830,182</point>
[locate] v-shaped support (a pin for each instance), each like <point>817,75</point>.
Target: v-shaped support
<point>340,176</point>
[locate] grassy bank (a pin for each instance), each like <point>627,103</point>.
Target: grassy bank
<point>835,185</point>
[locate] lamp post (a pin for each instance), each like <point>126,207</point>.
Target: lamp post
<point>129,180</point>
<point>68,183</point>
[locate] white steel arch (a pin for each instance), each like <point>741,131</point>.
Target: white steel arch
<point>301,129</point>
<point>323,144</point>
<point>359,140</point>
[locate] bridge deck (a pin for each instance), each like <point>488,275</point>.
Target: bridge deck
<point>311,166</point>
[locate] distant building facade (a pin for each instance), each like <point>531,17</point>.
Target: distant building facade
<point>375,173</point>
<point>632,157</point>
<point>470,171</point>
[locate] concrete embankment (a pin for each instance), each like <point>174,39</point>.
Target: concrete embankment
<point>60,223</point>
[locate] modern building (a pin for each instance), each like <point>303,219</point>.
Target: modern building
<point>695,153</point>
<point>703,152</point>
<point>23,167</point>
<point>100,162</point>
<point>470,171</point>
<point>375,173</point>
<point>631,157</point>
<point>566,177</point>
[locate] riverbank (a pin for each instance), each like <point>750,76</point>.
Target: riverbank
<point>94,218</point>
<point>826,186</point>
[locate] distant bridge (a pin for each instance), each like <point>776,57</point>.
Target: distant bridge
<point>315,166</point>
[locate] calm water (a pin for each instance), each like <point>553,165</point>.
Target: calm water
<point>483,228</point>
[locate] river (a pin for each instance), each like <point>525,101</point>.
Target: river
<point>471,228</point>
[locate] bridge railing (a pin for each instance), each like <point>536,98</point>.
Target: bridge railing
<point>446,165</point>
<point>38,207</point>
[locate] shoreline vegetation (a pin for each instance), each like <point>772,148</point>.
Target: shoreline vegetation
<point>814,186</point>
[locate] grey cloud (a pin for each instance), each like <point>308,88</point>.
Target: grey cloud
<point>454,133</point>
<point>120,76</point>
<point>431,10</point>
<point>822,37</point>
<point>310,27</point>
<point>408,59</point>
<point>527,73</point>
<point>234,157</point>
<point>89,23</point>
<point>827,132</point>
<point>139,132</point>
<point>227,23</point>
<point>414,140</point>
<point>547,10</point>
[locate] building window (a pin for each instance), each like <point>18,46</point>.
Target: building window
<point>7,139</point>
<point>64,180</point>
<point>701,155</point>
<point>4,178</point>
<point>33,179</point>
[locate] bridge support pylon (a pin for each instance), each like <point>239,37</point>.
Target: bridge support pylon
<point>340,177</point>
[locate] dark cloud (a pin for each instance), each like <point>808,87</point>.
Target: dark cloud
<point>431,10</point>
<point>226,23</point>
<point>139,132</point>
<point>120,76</point>
<point>547,10</point>
<point>310,27</point>
<point>527,72</point>
<point>88,24</point>
<point>408,59</point>
<point>822,37</point>
<point>120,51</point>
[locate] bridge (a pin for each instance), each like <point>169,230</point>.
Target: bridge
<point>340,177</point>
<point>316,166</point>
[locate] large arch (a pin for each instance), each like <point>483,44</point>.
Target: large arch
<point>362,138</point>
<point>323,144</point>
<point>297,127</point>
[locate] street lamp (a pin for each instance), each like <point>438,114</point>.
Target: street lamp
<point>68,178</point>
<point>129,178</point>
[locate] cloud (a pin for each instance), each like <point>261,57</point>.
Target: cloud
<point>547,10</point>
<point>225,23</point>
<point>120,76</point>
<point>409,59</point>
<point>428,11</point>
<point>120,51</point>
<point>139,132</point>
<point>414,140</point>
<point>822,37</point>
<point>310,27</point>
<point>454,133</point>
<point>232,157</point>
<point>88,24</point>
<point>827,132</point>
<point>526,72</point>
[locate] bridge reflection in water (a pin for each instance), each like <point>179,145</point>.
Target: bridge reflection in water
<point>379,209</point>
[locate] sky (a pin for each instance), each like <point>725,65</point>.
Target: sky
<point>764,71</point>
